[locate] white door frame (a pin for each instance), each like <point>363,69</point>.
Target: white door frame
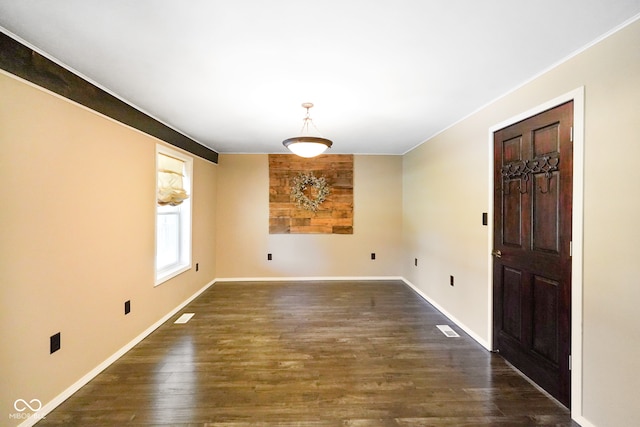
<point>577,96</point>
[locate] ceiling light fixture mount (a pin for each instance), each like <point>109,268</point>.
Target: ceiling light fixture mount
<point>307,145</point>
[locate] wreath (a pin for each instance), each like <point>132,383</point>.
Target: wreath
<point>308,180</point>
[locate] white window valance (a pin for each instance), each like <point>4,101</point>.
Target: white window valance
<point>170,183</point>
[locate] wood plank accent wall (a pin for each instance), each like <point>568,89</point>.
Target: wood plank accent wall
<point>335,214</point>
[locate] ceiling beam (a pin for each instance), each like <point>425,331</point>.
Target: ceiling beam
<point>28,64</point>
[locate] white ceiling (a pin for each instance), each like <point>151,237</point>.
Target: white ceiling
<point>384,75</point>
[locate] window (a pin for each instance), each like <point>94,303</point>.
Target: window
<point>173,213</point>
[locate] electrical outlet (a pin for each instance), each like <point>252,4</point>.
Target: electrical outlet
<point>451,280</point>
<point>485,218</point>
<point>269,257</point>
<point>373,255</point>
<point>54,343</point>
<point>127,306</point>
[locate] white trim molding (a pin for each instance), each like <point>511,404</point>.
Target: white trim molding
<point>307,279</point>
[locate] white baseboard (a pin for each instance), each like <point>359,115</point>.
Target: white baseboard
<point>582,421</point>
<point>50,406</point>
<point>305,279</point>
<point>438,307</point>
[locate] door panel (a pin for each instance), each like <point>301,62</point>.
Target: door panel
<point>546,140</point>
<point>545,315</point>
<point>512,149</point>
<point>511,298</point>
<point>532,235</point>
<point>546,214</point>
<point>512,219</point>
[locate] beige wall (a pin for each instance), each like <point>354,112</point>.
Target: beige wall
<point>76,230</point>
<point>243,225</point>
<point>446,189</point>
<point>77,240</point>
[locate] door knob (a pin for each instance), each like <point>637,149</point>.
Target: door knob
<point>497,253</point>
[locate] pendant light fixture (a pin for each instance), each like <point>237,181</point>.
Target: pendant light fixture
<point>307,145</point>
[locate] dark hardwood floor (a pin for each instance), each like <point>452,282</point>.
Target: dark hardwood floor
<point>309,354</point>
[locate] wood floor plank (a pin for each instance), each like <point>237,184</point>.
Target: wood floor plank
<point>313,354</point>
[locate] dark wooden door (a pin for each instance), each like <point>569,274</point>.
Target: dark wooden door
<point>533,164</point>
